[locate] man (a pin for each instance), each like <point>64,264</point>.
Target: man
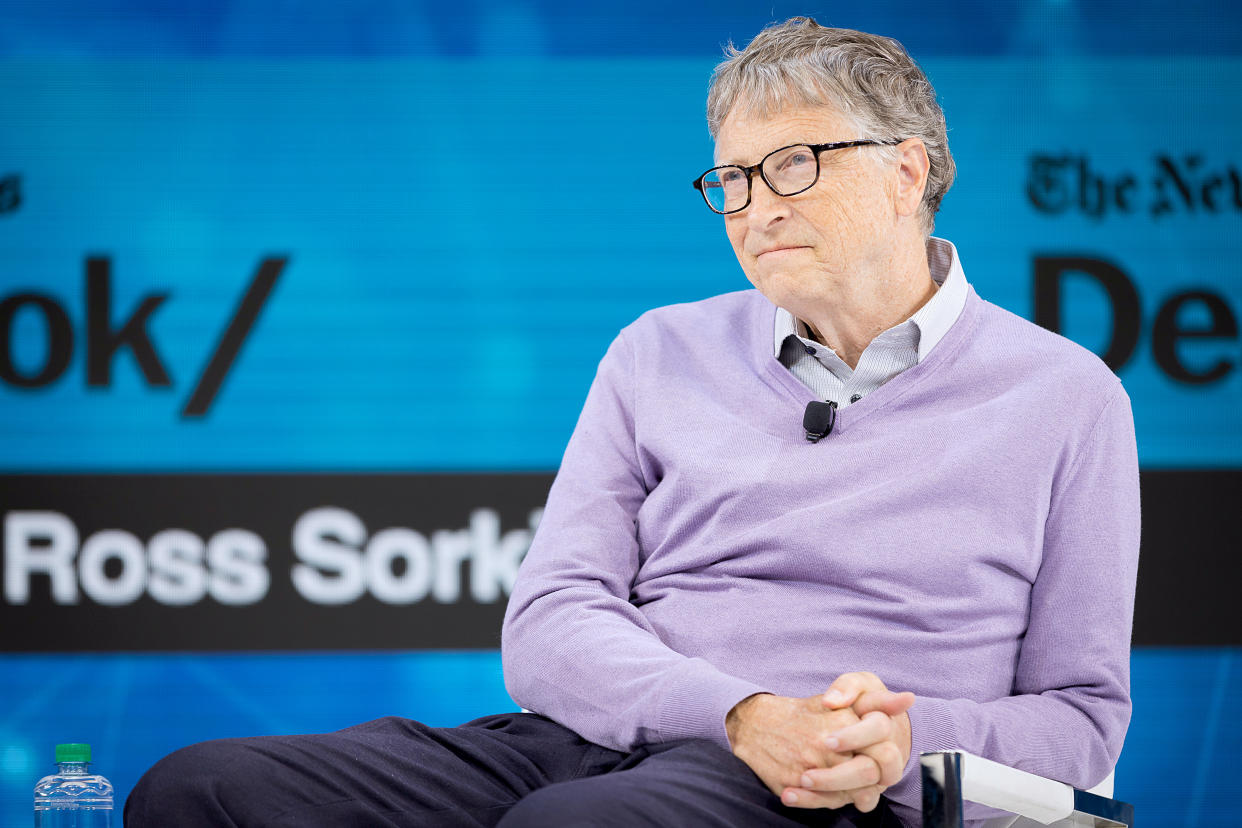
<point>729,619</point>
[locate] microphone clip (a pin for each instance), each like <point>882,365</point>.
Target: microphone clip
<point>819,419</point>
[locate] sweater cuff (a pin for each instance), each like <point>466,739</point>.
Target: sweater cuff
<point>931,728</point>
<point>698,700</point>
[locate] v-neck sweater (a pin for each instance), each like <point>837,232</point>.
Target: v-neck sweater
<point>891,352</point>
<point>968,531</point>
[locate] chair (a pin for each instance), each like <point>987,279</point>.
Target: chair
<point>951,778</point>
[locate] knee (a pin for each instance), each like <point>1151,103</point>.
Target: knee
<point>185,787</point>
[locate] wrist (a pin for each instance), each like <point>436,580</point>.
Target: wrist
<point>735,719</point>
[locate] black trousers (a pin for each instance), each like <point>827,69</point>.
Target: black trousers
<point>517,769</point>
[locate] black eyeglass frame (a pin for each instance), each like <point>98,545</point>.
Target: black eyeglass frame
<point>750,171</point>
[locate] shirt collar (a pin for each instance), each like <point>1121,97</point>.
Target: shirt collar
<point>933,320</point>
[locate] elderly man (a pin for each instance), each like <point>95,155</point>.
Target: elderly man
<point>800,533</point>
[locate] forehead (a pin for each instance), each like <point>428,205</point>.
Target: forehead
<point>745,137</point>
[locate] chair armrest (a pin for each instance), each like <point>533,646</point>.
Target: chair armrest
<point>951,778</point>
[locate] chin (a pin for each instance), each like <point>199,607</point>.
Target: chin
<point>781,287</point>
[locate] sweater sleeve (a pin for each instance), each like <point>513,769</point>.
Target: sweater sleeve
<point>573,646</point>
<point>1070,707</point>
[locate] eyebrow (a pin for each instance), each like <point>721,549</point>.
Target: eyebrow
<point>718,163</point>
<point>732,163</point>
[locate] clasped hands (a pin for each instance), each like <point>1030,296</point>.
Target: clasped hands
<point>846,745</point>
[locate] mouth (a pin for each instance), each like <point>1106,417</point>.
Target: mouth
<point>779,251</point>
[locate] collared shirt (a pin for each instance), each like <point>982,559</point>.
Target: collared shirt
<point>893,351</point>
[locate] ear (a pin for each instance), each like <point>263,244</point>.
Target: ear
<point>912,169</point>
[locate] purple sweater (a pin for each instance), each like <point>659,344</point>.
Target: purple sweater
<point>969,532</point>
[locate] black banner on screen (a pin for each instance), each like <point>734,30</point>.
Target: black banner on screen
<point>375,561</point>
<point>262,562</point>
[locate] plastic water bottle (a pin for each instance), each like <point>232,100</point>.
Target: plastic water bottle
<point>74,797</point>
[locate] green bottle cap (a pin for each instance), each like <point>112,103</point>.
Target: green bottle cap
<point>73,752</point>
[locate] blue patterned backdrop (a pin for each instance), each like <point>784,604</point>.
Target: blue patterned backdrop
<point>439,184</point>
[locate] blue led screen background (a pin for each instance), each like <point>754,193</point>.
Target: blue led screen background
<point>278,270</point>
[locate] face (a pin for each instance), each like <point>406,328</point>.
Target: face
<point>802,250</point>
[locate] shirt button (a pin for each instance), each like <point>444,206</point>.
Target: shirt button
<point>856,398</point>
<point>810,350</point>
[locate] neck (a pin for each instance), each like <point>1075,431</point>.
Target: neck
<point>857,308</point>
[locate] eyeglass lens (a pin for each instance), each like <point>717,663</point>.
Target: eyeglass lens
<point>789,171</point>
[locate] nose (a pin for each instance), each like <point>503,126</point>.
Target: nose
<point>766,208</point>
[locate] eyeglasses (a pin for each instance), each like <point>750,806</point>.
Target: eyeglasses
<point>787,172</point>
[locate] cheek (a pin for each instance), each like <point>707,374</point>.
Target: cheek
<point>851,196</point>
<point>844,196</point>
<point>735,229</point>
<point>845,213</point>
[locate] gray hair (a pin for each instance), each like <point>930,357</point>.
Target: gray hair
<point>869,79</point>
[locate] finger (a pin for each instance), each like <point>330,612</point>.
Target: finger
<point>866,799</point>
<point>831,759</point>
<point>814,756</point>
<point>890,761</point>
<point>859,772</point>
<point>848,687</point>
<point>872,728</point>
<point>802,798</point>
<point>885,701</point>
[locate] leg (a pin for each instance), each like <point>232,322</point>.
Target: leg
<point>389,772</point>
<point>691,783</point>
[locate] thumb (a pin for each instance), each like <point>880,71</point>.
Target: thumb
<point>885,701</point>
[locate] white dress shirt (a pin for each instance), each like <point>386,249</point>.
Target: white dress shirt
<point>893,351</point>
